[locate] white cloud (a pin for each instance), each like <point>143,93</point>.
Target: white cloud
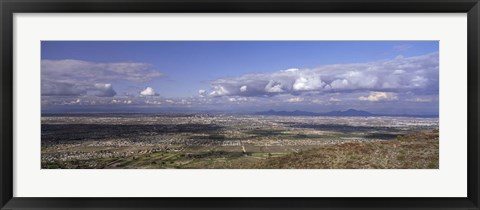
<point>418,74</point>
<point>148,91</point>
<point>312,82</point>
<point>76,77</point>
<point>184,101</point>
<point>72,102</point>
<point>237,99</point>
<point>153,102</point>
<point>219,90</point>
<point>405,78</point>
<point>379,96</point>
<point>243,88</point>
<point>274,87</point>
<point>340,84</point>
<point>419,81</point>
<point>202,93</point>
<point>291,70</point>
<point>333,99</point>
<point>295,100</point>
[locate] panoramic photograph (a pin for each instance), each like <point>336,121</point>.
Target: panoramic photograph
<point>240,105</point>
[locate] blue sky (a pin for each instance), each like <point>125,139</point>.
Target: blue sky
<point>286,75</point>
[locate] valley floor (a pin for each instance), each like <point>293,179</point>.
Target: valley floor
<point>237,142</point>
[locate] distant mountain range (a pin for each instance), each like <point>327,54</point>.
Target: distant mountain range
<point>347,113</point>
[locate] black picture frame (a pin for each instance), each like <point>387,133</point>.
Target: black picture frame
<point>10,7</point>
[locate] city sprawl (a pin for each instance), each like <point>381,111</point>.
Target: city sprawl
<point>236,141</point>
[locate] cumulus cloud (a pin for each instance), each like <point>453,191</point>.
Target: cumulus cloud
<point>219,91</point>
<point>202,93</point>
<point>406,79</point>
<point>379,96</point>
<point>148,91</point>
<point>274,87</point>
<point>311,82</point>
<point>104,90</point>
<point>243,88</point>
<point>77,77</point>
<point>416,74</point>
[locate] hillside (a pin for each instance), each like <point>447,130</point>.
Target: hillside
<point>418,150</point>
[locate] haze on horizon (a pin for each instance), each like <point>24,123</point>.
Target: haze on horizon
<point>388,77</point>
